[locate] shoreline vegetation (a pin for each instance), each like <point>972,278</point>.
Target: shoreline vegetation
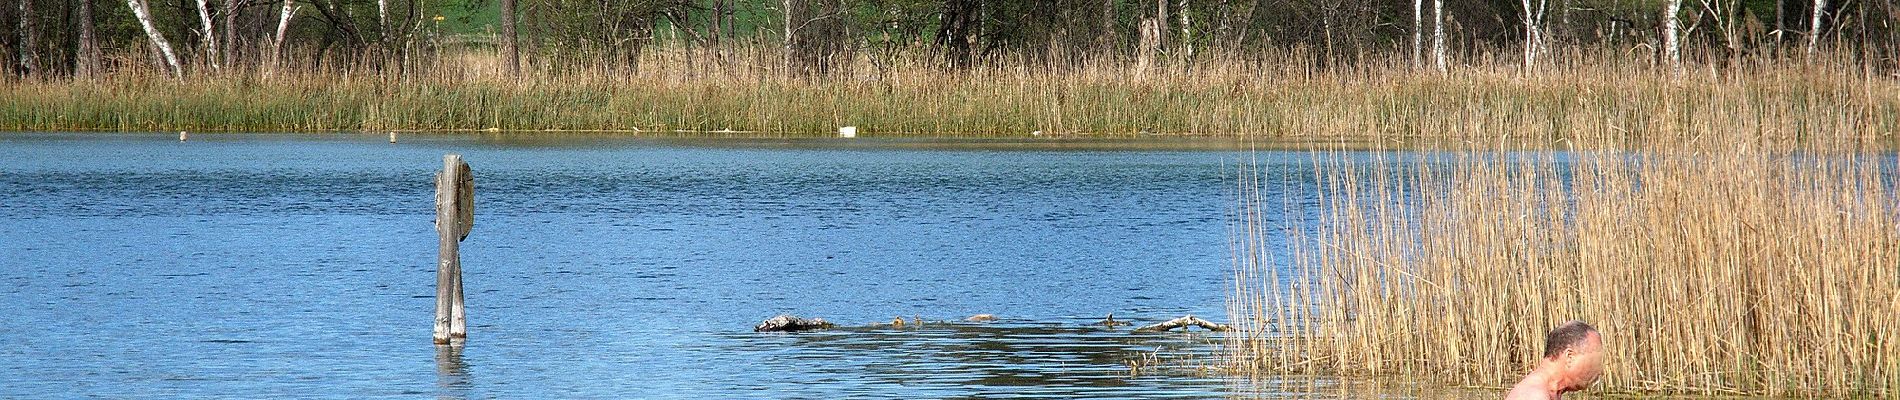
<point>1714,260</point>
<point>1334,69</point>
<point>1281,95</point>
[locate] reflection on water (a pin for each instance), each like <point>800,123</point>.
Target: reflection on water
<point>1326,387</point>
<point>1008,360</point>
<point>452,379</point>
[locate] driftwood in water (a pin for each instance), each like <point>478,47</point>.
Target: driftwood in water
<point>788,323</point>
<point>1183,322</point>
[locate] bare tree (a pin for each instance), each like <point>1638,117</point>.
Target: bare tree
<point>163,47</point>
<point>1672,43</point>
<point>1727,19</point>
<point>277,42</point>
<point>210,41</point>
<point>1814,26</point>
<point>1418,32</point>
<point>1438,34</point>
<point>1534,31</point>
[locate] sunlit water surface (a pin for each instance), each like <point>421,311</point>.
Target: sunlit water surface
<point>297,265</point>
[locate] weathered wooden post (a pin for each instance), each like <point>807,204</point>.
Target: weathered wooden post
<point>454,214</point>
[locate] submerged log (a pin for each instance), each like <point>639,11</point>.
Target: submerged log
<point>789,323</point>
<point>1183,322</point>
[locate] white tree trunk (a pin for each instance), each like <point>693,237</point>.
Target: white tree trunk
<point>1533,31</point>
<point>1672,45</point>
<point>210,38</point>
<point>790,30</point>
<point>1418,32</point>
<point>1814,26</point>
<point>1149,44</point>
<point>158,39</point>
<point>1438,34</point>
<point>277,42</point>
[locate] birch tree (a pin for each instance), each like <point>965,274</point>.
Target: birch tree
<point>1533,30</point>
<point>1438,34</point>
<point>227,37</point>
<point>1418,32</point>
<point>163,46</point>
<point>204,31</point>
<point>1814,26</point>
<point>277,42</point>
<point>1672,44</point>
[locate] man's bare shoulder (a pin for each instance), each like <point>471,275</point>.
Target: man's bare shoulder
<point>1528,390</point>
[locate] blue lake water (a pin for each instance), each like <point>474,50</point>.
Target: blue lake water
<point>302,265</point>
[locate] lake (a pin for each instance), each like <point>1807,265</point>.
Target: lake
<point>302,265</point>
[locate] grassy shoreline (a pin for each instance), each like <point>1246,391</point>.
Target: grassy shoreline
<point>1591,98</point>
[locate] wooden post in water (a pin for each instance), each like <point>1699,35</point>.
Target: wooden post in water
<point>454,214</point>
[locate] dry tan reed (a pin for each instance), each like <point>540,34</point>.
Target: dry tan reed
<point>1737,247</point>
<point>1281,94</point>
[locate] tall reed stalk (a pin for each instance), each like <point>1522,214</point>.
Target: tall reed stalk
<point>1717,254</point>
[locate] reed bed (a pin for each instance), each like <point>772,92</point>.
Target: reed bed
<point>1717,252</point>
<point>1283,94</point>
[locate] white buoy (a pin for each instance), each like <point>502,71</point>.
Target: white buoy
<point>182,136</point>
<point>848,132</point>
